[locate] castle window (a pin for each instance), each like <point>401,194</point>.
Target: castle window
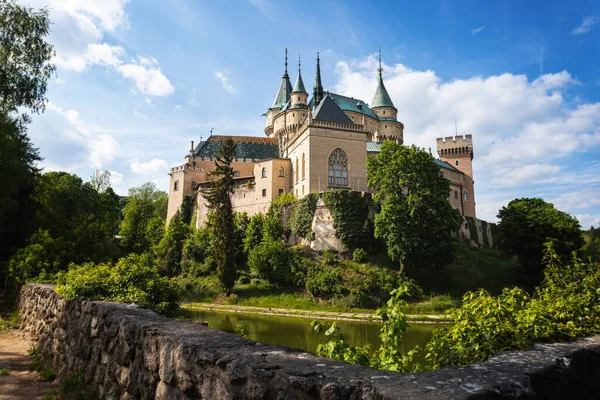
<point>264,172</point>
<point>303,166</point>
<point>176,185</point>
<point>298,98</point>
<point>386,125</point>
<point>264,193</point>
<point>297,172</point>
<point>456,194</point>
<point>281,172</point>
<point>338,168</point>
<point>236,173</point>
<point>465,196</point>
<point>383,112</point>
<point>456,163</point>
<point>302,190</point>
<point>293,114</point>
<point>280,191</point>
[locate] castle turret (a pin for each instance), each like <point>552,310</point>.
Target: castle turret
<point>458,152</point>
<point>299,97</point>
<point>281,99</point>
<point>318,88</point>
<point>389,127</point>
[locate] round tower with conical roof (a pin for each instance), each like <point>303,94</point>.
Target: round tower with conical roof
<point>299,97</point>
<point>389,126</point>
<point>281,99</point>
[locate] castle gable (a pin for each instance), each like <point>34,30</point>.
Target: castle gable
<point>248,147</point>
<point>352,104</point>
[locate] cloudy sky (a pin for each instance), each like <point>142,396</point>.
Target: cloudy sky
<point>139,79</point>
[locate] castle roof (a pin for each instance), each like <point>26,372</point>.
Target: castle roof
<point>381,98</point>
<point>375,147</point>
<point>249,147</point>
<point>299,85</point>
<point>283,94</point>
<point>328,110</point>
<point>350,104</point>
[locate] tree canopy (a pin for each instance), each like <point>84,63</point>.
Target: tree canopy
<point>221,217</point>
<point>526,224</point>
<point>416,220</point>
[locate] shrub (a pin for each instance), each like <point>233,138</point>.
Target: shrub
<point>196,258</point>
<point>330,257</point>
<point>133,279</point>
<point>323,282</point>
<point>359,255</point>
<point>271,260</point>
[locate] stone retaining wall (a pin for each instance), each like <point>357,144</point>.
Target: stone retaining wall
<point>132,353</point>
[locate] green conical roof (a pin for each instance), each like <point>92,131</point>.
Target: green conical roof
<point>285,89</point>
<point>381,98</point>
<point>299,85</point>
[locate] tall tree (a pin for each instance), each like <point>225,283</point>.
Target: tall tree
<point>24,57</point>
<point>221,218</point>
<point>169,250</point>
<point>144,217</point>
<point>526,224</point>
<point>416,220</point>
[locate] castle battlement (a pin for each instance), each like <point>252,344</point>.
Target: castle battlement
<point>451,141</point>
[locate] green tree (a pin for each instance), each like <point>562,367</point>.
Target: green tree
<point>240,223</point>
<point>254,231</point>
<point>416,220</point>
<point>24,57</point>
<point>144,217</point>
<point>169,250</point>
<point>526,224</point>
<point>220,219</point>
<point>272,230</point>
<point>187,209</point>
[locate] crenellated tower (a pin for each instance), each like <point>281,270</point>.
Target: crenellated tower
<point>458,152</point>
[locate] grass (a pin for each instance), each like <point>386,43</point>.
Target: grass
<point>4,371</point>
<point>45,373</point>
<point>473,268</point>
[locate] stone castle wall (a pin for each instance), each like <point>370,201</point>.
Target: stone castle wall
<point>132,353</point>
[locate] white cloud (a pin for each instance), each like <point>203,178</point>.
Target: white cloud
<point>477,30</point>
<point>149,80</point>
<point>67,138</point>
<point>138,114</point>
<point>586,25</point>
<point>587,220</point>
<point>178,107</point>
<point>225,82</point>
<point>524,131</point>
<point>154,166</point>
<point>104,54</point>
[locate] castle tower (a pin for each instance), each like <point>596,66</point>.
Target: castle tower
<point>318,88</point>
<point>299,96</point>
<point>458,152</point>
<point>281,99</point>
<point>382,105</point>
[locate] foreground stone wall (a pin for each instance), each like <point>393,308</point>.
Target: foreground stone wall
<point>134,354</point>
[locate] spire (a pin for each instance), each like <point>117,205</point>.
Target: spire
<point>318,88</point>
<point>299,85</point>
<point>381,98</point>
<point>283,94</point>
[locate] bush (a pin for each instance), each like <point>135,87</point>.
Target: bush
<point>196,258</point>
<point>359,255</point>
<point>133,279</point>
<point>330,257</point>
<point>325,283</point>
<point>271,260</point>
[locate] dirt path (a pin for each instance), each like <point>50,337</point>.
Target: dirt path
<point>19,383</point>
<point>312,314</point>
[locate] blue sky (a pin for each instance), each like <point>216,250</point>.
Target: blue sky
<point>139,79</point>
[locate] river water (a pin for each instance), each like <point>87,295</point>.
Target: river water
<point>297,332</point>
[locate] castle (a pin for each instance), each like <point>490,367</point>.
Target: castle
<point>315,146</point>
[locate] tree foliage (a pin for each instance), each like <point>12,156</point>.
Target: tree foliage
<point>24,57</point>
<point>133,279</point>
<point>350,211</point>
<point>416,220</point>
<point>221,219</point>
<point>254,231</point>
<point>169,251</point>
<point>526,224</point>
<point>144,217</point>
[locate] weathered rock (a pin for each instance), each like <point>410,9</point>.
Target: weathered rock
<point>132,353</point>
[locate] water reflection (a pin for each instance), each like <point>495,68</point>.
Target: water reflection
<point>297,332</point>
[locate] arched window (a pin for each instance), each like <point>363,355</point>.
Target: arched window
<point>296,171</point>
<point>264,172</point>
<point>236,173</point>
<point>457,163</point>
<point>465,196</point>
<point>303,166</point>
<point>338,168</point>
<point>281,171</point>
